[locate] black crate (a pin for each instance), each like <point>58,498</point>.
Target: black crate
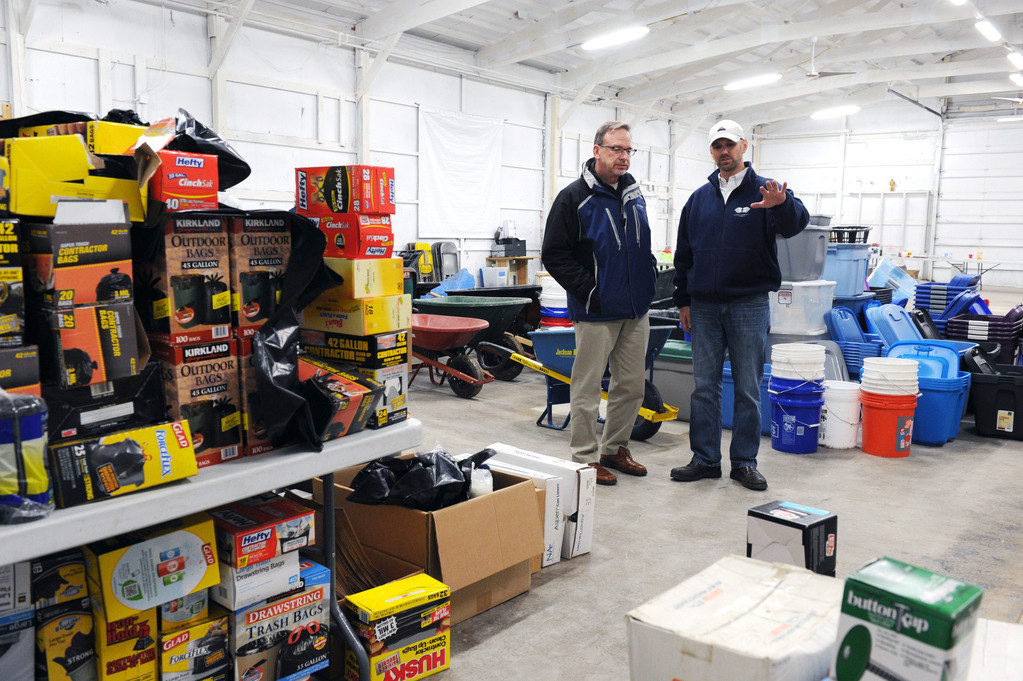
<point>849,235</point>
<point>998,402</point>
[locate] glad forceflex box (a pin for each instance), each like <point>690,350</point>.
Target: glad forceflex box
<point>260,249</point>
<point>198,652</point>
<point>261,527</point>
<point>405,626</point>
<point>285,638</point>
<point>903,622</point>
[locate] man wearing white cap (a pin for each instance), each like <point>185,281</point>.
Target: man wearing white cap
<point>726,263</point>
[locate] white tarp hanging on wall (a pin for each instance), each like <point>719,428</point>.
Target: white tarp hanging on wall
<point>459,175</point>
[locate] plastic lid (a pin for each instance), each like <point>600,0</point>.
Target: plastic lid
<point>937,359</point>
<point>843,325</point>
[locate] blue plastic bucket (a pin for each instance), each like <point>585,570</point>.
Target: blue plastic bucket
<point>795,414</point>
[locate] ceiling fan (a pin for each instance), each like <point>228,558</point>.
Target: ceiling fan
<point>813,72</point>
<point>1018,100</point>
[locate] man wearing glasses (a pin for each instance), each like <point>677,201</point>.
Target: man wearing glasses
<point>726,262</point>
<point>597,246</point>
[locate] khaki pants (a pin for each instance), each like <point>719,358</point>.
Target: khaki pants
<point>623,344</point>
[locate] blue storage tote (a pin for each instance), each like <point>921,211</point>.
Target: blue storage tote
<point>846,265</point>
<point>728,398</point>
<point>940,407</point>
<point>889,275</point>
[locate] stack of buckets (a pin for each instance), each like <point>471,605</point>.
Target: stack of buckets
<point>889,387</point>
<point>553,302</point>
<point>796,389</point>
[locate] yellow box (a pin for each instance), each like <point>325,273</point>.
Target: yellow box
<point>405,626</point>
<point>140,570</point>
<point>368,277</point>
<point>333,312</point>
<point>101,137</point>
<point>198,652</point>
<point>125,648</point>
<point>44,169</point>
<point>58,628</point>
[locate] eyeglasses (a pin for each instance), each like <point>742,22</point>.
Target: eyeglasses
<point>616,150</point>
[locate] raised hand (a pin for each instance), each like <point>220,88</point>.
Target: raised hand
<point>774,195</point>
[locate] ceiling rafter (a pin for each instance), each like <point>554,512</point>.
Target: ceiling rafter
<point>399,18</point>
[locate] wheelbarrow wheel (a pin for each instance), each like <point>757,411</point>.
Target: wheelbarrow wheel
<point>503,368</point>
<point>644,430</point>
<point>470,367</point>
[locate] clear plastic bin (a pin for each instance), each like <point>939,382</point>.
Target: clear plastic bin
<point>799,306</point>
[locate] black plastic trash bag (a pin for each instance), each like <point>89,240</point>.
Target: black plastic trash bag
<point>428,481</point>
<point>126,116</point>
<point>193,137</point>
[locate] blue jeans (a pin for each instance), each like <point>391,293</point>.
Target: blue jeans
<point>739,326</point>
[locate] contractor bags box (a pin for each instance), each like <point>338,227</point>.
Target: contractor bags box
<point>377,351</point>
<point>740,618</point>
<point>481,548</point>
<point>91,344</point>
<point>784,532</point>
<point>12,285</point>
<point>903,622</point>
<point>19,369</point>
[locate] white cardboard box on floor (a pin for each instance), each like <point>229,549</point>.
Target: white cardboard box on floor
<point>553,519</point>
<point>738,619</point>
<point>997,652</point>
<point>579,493</point>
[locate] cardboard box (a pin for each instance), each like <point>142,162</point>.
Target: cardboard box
<point>338,396</point>
<point>260,249</point>
<point>368,277</point>
<point>58,578</point>
<point>241,587</point>
<point>12,285</point>
<point>184,612</point>
<point>198,652</point>
<point>783,532</point>
<point>259,528</point>
<point>997,651</point>
<point>481,548</point>
<point>140,570</point>
<point>901,621</point>
<point>350,235</point>
<point>65,644</point>
<point>101,137</point>
<point>255,435</point>
<point>579,493</point>
<point>15,587</point>
<point>125,648</point>
<point>19,370</point>
<point>17,654</point>
<point>79,259</point>
<point>551,489</point>
<point>738,619</point>
<point>185,181</point>
<point>182,271</point>
<point>91,344</point>
<point>405,627</point>
<point>364,317</point>
<point>200,385</point>
<point>121,404</point>
<point>328,190</point>
<point>366,352</point>
<point>285,638</point>
<point>43,169</point>
<point>392,406</point>
<point>111,465</point>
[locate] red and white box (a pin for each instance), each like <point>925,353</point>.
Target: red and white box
<point>331,190</point>
<point>261,527</point>
<point>351,235</point>
<point>185,181</point>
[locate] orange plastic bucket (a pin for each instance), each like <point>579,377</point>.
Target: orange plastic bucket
<point>887,423</point>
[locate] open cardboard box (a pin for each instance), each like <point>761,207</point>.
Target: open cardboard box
<point>481,548</point>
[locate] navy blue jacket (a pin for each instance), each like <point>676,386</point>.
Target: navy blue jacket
<point>597,246</point>
<point>729,251</point>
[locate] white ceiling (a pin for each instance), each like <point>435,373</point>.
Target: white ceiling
<point>926,51</point>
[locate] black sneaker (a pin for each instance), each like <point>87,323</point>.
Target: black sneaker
<point>694,471</point>
<point>750,478</point>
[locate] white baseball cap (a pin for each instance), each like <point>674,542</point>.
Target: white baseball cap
<point>728,129</point>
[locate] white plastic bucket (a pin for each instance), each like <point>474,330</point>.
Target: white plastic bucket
<point>890,375</point>
<point>808,371</point>
<point>554,299</point>
<point>798,361</point>
<point>840,415</point>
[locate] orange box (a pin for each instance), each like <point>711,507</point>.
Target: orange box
<point>329,190</point>
<point>185,181</point>
<point>347,397</point>
<point>350,235</point>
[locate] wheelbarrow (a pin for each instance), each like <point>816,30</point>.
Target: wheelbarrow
<point>442,336</point>
<point>555,355</point>
<point>500,313</point>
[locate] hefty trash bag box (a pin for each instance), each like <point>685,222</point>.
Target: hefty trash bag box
<point>139,570</point>
<point>185,181</point>
<point>12,285</point>
<point>350,235</point>
<point>259,528</point>
<point>110,465</point>
<point>740,618</point>
<point>182,273</point>
<point>260,249</point>
<point>481,548</point>
<point>65,644</point>
<point>903,622</point>
<point>328,190</point>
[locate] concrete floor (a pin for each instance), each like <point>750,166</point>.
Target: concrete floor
<point>953,509</point>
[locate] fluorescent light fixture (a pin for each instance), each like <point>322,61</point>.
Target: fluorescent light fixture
<point>1016,78</point>
<point>1011,119</point>
<point>763,79</point>
<point>837,112</point>
<point>619,37</point>
<point>1016,58</point>
<point>958,2</point>
<point>988,30</point>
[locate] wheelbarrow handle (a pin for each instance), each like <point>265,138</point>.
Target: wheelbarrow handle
<point>495,349</point>
<point>508,353</point>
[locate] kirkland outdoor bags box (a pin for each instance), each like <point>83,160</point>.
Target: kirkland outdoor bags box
<point>783,532</point>
<point>740,618</point>
<point>481,548</point>
<point>903,622</point>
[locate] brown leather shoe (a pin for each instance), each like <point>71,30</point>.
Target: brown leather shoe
<point>604,476</point>
<point>623,461</point>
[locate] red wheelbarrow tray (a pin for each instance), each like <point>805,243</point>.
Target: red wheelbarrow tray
<point>443,332</point>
